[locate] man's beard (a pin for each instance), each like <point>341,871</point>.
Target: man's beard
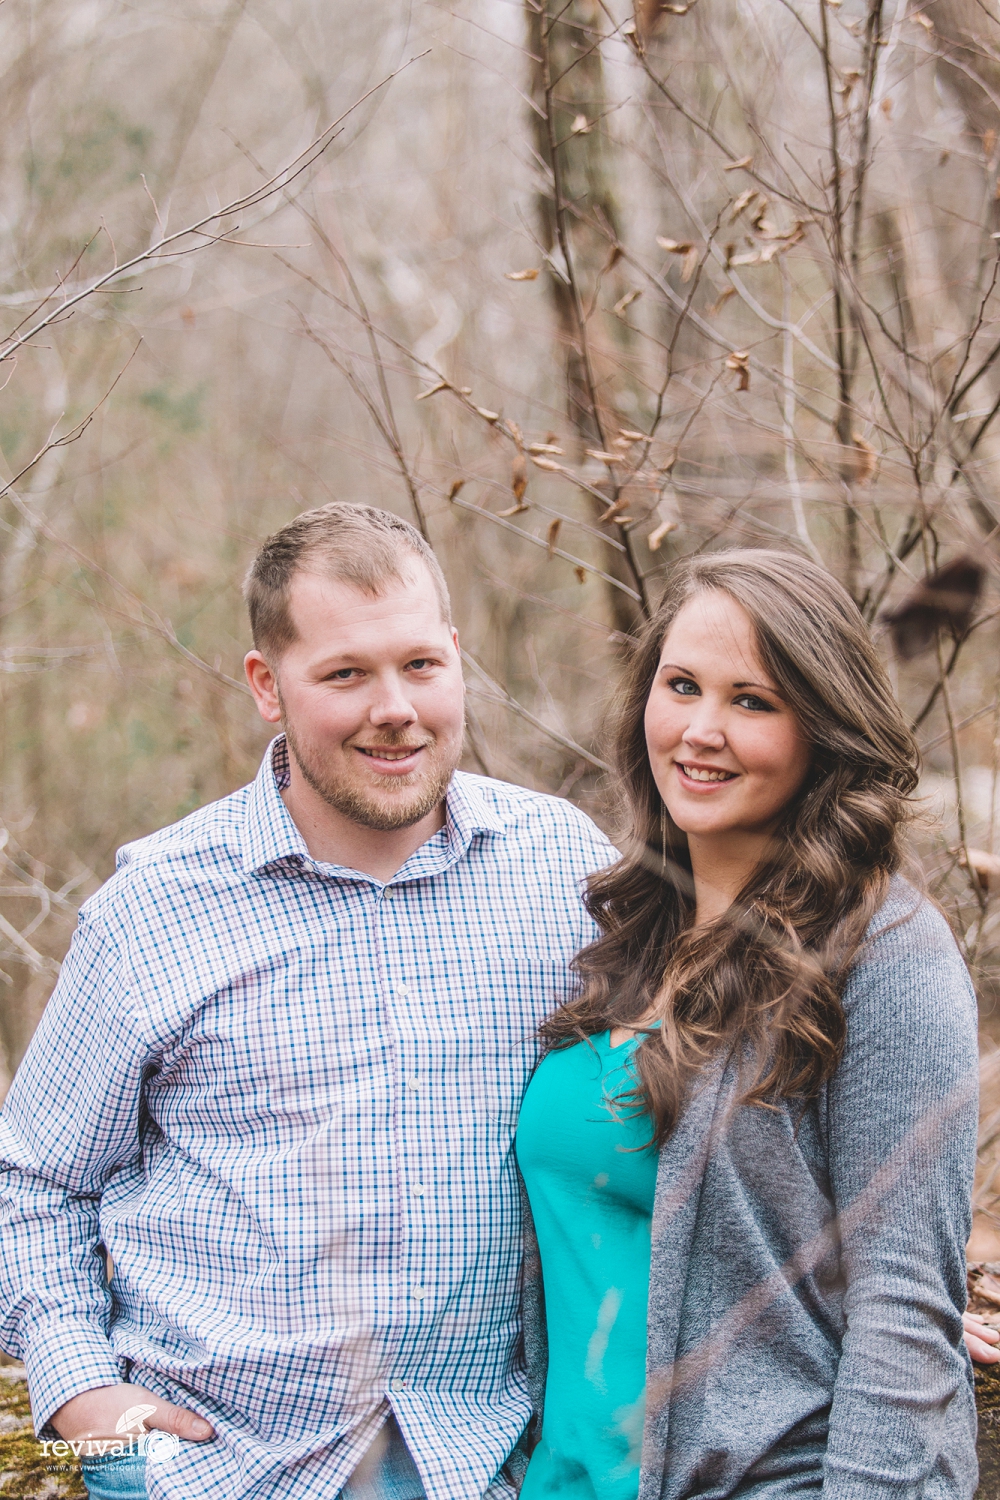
<point>366,808</point>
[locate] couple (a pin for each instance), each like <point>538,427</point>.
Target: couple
<point>259,1184</point>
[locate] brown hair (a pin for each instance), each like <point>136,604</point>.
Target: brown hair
<point>356,543</point>
<point>764,980</point>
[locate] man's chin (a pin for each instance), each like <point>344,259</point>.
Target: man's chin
<point>387,812</point>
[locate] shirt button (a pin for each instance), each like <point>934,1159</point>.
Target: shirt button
<point>388,893</point>
<point>418,1191</point>
<point>418,1293</point>
<point>397,1385</point>
<point>413,1083</point>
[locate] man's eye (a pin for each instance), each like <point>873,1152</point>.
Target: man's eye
<point>684,686</point>
<point>343,674</point>
<point>420,663</point>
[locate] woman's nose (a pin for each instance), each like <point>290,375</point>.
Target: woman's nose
<point>704,729</point>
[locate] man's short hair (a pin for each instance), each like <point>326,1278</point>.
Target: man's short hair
<point>358,544</point>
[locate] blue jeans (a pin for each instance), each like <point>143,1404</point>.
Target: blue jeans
<point>387,1472</point>
<point>118,1478</point>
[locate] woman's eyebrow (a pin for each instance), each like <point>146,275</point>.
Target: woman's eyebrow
<point>763,687</point>
<point>675,668</point>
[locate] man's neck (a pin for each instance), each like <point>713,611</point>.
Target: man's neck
<point>334,839</point>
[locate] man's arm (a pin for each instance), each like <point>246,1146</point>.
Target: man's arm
<point>70,1122</point>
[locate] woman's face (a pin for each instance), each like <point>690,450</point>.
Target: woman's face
<point>726,750</point>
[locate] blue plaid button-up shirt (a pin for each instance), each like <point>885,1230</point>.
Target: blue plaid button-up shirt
<point>283,1096</point>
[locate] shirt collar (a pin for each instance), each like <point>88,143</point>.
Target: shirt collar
<point>270,835</point>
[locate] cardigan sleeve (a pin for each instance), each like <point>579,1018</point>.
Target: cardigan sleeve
<point>902,1123</point>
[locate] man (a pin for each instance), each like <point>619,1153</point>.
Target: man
<point>278,1079</point>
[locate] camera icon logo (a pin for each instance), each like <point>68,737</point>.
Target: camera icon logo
<point>160,1447</point>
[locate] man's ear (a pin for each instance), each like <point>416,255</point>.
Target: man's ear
<point>263,680</point>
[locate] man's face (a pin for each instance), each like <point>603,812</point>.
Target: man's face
<point>370,696</point>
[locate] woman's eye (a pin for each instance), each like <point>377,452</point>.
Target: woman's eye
<point>759,705</point>
<point>684,686</point>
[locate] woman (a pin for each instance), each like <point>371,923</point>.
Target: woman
<point>748,1151</point>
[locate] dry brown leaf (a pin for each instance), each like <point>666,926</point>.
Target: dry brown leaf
<point>546,463</point>
<point>946,599</point>
<point>924,21</point>
<point>613,510</point>
<point>442,385</point>
<point>605,458</point>
<point>886,106</point>
<point>552,535</point>
<point>624,520</point>
<point>626,301</point>
<point>676,247</point>
<point>581,575</point>
<point>985,867</point>
<point>490,416</point>
<point>581,125</point>
<point>656,537</point>
<point>735,166</point>
<point>750,258</point>
<point>532,273</point>
<point>456,485</point>
<point>760,209</point>
<point>866,461</point>
<point>548,447</point>
<point>519,477</point>
<point>739,360</point>
<point>513,510</point>
<point>740,203</point>
<point>631,436</point>
<point>690,263</point>
<point>722,299</point>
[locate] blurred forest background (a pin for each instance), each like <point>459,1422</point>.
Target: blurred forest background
<point>577,289</point>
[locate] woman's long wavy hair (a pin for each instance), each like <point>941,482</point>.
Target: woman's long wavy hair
<point>764,980</point>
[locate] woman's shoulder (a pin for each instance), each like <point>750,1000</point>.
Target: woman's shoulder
<point>909,952</point>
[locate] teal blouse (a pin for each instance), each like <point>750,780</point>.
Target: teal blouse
<point>590,1176</point>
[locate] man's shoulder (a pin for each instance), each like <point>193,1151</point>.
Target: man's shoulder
<point>208,839</point>
<point>520,813</point>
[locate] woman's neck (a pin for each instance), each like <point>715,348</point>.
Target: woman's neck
<point>721,868</point>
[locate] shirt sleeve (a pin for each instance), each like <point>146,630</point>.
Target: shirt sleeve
<point>902,1121</point>
<point>70,1121</point>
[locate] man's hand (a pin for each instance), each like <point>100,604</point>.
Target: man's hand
<point>981,1339</point>
<point>96,1413</point>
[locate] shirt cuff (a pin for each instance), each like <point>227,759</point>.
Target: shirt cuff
<point>62,1358</point>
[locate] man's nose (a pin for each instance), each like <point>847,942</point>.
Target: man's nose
<point>391,704</point>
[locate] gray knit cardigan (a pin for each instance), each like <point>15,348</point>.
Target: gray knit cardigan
<point>807,1280</point>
